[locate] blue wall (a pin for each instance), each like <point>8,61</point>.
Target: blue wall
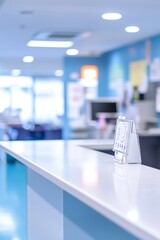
<point>73,65</point>
<point>155,47</point>
<point>112,65</point>
<point>116,65</point>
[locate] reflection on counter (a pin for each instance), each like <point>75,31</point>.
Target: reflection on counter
<point>126,195</point>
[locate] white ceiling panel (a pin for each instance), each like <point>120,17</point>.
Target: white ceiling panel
<point>20,20</point>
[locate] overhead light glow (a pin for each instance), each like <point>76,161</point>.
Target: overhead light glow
<point>133,215</point>
<point>89,72</point>
<point>132,29</point>
<point>59,73</point>
<point>72,52</point>
<point>28,59</point>
<point>15,238</point>
<point>50,44</point>
<point>111,16</point>
<point>7,222</point>
<point>16,72</point>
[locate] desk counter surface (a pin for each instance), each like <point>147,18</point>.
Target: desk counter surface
<point>129,195</point>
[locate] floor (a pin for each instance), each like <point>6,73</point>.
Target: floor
<point>12,201</point>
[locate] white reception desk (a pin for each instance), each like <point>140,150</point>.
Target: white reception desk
<point>78,193</point>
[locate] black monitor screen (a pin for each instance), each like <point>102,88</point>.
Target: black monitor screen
<point>102,107</point>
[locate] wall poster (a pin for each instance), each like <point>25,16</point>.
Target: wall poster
<point>137,71</point>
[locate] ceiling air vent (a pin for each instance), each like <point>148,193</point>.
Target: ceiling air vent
<point>50,36</point>
<point>62,35</point>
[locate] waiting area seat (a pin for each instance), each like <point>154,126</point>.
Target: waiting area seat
<point>37,132</point>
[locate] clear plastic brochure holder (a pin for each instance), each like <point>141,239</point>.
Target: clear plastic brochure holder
<point>126,142</point>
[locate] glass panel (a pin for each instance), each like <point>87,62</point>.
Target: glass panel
<point>48,101</point>
<point>5,99</point>
<point>22,102</point>
<point>16,98</point>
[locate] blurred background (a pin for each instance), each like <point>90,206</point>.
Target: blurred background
<point>69,68</point>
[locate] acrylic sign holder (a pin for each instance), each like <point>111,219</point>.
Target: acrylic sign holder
<point>126,143</point>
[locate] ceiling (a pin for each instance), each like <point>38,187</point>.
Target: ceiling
<point>21,20</point>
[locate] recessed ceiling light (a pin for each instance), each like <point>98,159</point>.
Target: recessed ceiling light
<point>111,16</point>
<point>59,73</point>
<point>50,44</point>
<point>132,29</point>
<point>15,72</point>
<point>72,52</point>
<point>28,59</point>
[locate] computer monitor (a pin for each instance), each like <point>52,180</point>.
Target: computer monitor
<point>107,107</point>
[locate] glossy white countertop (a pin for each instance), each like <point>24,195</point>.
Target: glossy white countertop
<point>129,195</point>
